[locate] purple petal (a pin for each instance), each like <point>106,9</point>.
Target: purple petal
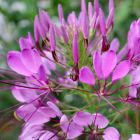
<point>64,33</point>
<point>96,6</point>
<point>74,131</point>
<point>16,64</point>
<point>44,21</point>
<point>133,92</point>
<point>110,18</point>
<point>52,38</point>
<point>31,132</point>
<point>64,123</point>
<point>24,43</point>
<point>102,22</point>
<point>100,121</point>
<point>36,29</point>
<point>55,108</point>
<point>111,133</point>
<point>48,135</point>
<point>70,128</point>
<point>82,118</point>
<point>109,60</point>
<point>31,59</point>
<point>47,112</point>
<point>24,94</point>
<point>83,6</point>
<point>75,50</point>
<point>86,76</point>
<point>42,73</point>
<point>121,70</point>
<point>115,44</point>
<point>85,27</point>
<point>135,137</point>
<point>90,10</point>
<point>97,63</point>
<point>60,12</point>
<point>123,52</point>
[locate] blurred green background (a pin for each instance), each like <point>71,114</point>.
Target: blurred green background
<point>16,19</point>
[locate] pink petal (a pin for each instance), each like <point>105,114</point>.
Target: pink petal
<point>24,94</point>
<point>96,6</point>
<point>83,6</point>
<point>115,44</point>
<point>44,21</point>
<point>86,76</point>
<point>36,29</point>
<point>32,115</point>
<point>64,122</point>
<point>100,121</point>
<point>31,59</point>
<point>74,131</point>
<point>75,50</point>
<point>135,136</point>
<point>55,108</point>
<point>60,12</point>
<point>97,62</point>
<point>30,132</point>
<point>85,26</point>
<point>82,118</point>
<point>102,22</point>
<point>52,38</point>
<point>16,64</point>
<point>48,135</point>
<point>24,43</point>
<point>70,128</point>
<point>133,92</point>
<point>121,70</point>
<point>47,112</point>
<point>90,10</point>
<point>42,73</point>
<point>111,133</point>
<point>109,60</point>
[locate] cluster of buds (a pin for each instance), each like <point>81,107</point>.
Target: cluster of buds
<point>75,57</point>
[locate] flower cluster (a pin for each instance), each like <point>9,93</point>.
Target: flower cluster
<point>75,56</point>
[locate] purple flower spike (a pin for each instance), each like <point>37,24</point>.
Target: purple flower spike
<point>96,6</point>
<point>109,61</point>
<point>102,22</point>
<point>90,10</point>
<point>82,118</point>
<point>75,49</point>
<point>121,70</point>
<point>111,133</point>
<point>52,38</point>
<point>100,121</point>
<point>60,13</point>
<point>83,6</point>
<point>86,76</point>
